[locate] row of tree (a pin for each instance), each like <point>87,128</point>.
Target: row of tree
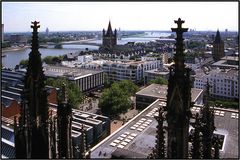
<point>159,80</point>
<point>47,60</point>
<point>116,99</point>
<point>224,104</point>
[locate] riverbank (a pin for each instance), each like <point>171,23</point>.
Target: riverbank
<point>13,49</point>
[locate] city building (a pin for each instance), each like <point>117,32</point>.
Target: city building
<point>224,83</point>
<point>47,31</point>
<point>227,62</point>
<point>151,93</point>
<point>96,128</point>
<point>218,47</point>
<point>109,38</point>
<point>85,58</point>
<point>153,74</point>
<point>18,38</point>
<point>165,58</point>
<point>129,70</point>
<point>86,80</point>
<point>12,87</point>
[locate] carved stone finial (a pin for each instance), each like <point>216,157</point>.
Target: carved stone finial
<point>35,25</point>
<point>179,22</point>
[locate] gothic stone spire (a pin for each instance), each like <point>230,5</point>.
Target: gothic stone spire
<point>179,56</point>
<point>109,30</point>
<point>34,115</point>
<point>64,115</point>
<point>34,81</point>
<point>178,100</point>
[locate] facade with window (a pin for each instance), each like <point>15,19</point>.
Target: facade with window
<point>224,83</point>
<point>86,80</point>
<point>128,70</point>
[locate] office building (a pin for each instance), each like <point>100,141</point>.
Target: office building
<point>155,73</point>
<point>129,70</point>
<point>224,83</point>
<point>86,80</point>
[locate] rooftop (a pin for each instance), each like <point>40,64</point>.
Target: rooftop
<point>71,73</point>
<point>225,72</point>
<point>224,62</point>
<point>162,71</point>
<point>232,58</point>
<point>125,62</point>
<point>160,91</point>
<point>137,136</point>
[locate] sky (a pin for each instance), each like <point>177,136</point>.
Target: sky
<point>84,16</point>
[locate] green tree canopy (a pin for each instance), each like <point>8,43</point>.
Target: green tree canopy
<point>52,59</point>
<point>159,80</point>
<point>127,86</point>
<point>116,99</point>
<point>224,104</point>
<point>24,63</point>
<point>74,95</point>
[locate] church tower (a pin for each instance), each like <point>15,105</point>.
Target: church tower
<point>178,100</point>
<point>109,38</point>
<point>218,47</point>
<point>31,134</point>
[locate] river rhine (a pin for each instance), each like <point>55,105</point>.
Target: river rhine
<point>13,58</point>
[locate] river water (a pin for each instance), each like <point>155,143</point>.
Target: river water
<point>13,58</point>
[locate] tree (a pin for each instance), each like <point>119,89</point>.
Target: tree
<point>128,86</point>
<point>24,63</point>
<point>116,99</point>
<point>52,59</point>
<point>159,80</point>
<point>5,44</point>
<point>75,96</point>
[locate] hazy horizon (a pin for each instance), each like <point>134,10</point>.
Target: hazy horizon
<point>128,16</point>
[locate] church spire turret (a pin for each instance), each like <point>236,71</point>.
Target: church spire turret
<point>218,47</point>
<point>64,115</point>
<point>179,56</point>
<point>207,126</point>
<point>109,30</point>
<point>33,121</point>
<point>34,81</point>
<point>159,151</point>
<point>178,100</point>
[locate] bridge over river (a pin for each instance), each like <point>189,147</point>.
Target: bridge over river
<point>85,42</point>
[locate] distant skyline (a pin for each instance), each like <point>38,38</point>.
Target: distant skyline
<point>94,16</point>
